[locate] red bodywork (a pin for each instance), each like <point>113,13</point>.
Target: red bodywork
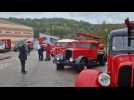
<point>84,81</point>
<point>89,35</point>
<point>43,42</point>
<point>77,51</point>
<point>60,49</point>
<point>89,49</point>
<point>115,62</point>
<point>90,53</point>
<point>7,43</point>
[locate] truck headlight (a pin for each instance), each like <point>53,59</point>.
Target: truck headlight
<point>71,59</point>
<point>104,79</point>
<point>57,58</point>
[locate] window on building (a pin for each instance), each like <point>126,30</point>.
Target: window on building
<point>8,32</point>
<point>28,33</point>
<point>17,32</point>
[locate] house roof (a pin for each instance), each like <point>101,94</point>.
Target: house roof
<point>8,24</point>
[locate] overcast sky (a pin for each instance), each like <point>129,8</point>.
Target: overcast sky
<point>92,17</point>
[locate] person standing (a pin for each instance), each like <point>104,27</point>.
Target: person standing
<point>23,58</point>
<point>48,53</point>
<point>38,48</point>
<point>40,52</point>
<point>28,49</point>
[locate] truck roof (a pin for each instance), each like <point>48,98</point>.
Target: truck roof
<point>119,32</point>
<point>67,40</point>
<point>88,41</point>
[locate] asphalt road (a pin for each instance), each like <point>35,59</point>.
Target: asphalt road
<point>40,74</point>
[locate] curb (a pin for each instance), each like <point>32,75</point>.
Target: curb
<point>8,57</point>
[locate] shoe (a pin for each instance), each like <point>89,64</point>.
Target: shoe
<point>24,72</point>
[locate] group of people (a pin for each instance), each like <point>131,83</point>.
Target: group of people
<point>25,50</point>
<point>41,49</point>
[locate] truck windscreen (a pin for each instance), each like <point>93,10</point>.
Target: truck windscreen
<point>121,43</point>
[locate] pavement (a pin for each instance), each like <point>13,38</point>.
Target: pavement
<point>6,55</point>
<point>40,74</point>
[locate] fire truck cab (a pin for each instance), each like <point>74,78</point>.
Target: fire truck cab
<point>120,62</point>
<point>62,44</point>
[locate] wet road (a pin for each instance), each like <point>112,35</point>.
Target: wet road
<point>40,74</point>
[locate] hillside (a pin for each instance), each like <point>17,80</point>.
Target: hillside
<point>66,27</point>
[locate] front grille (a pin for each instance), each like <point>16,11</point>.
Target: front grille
<point>68,54</point>
<point>125,76</point>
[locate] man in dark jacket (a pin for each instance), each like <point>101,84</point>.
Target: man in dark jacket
<point>23,57</point>
<point>28,50</point>
<point>40,52</point>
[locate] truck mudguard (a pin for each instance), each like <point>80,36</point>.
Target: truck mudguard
<point>87,78</point>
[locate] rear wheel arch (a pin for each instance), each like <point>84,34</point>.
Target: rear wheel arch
<point>85,58</point>
<point>81,63</point>
<point>80,58</point>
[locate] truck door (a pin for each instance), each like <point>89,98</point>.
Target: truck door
<point>93,50</point>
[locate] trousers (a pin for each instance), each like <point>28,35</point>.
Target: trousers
<point>22,65</point>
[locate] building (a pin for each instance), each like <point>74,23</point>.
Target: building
<point>15,32</point>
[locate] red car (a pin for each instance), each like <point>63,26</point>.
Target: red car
<point>84,52</point>
<point>120,62</point>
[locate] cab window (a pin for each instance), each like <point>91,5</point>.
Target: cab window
<point>52,40</point>
<point>93,45</point>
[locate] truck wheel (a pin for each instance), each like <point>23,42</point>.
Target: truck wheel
<point>60,66</point>
<point>82,64</point>
<point>101,60</point>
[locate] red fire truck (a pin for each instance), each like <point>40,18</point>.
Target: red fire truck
<point>47,39</point>
<point>84,52</point>
<point>120,62</point>
<point>5,45</point>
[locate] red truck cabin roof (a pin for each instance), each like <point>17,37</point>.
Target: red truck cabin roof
<point>88,41</point>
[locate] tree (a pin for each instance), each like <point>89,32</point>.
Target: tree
<point>66,27</point>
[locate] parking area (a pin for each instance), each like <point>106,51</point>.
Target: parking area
<point>40,74</point>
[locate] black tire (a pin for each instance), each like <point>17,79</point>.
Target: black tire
<point>82,64</point>
<point>60,66</point>
<point>101,60</point>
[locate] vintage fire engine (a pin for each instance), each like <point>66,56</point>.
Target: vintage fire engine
<point>5,45</point>
<point>120,62</point>
<point>47,39</point>
<point>82,54</point>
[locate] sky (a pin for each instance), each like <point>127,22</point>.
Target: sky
<point>91,17</point>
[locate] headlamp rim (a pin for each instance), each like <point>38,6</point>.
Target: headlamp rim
<point>100,82</point>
